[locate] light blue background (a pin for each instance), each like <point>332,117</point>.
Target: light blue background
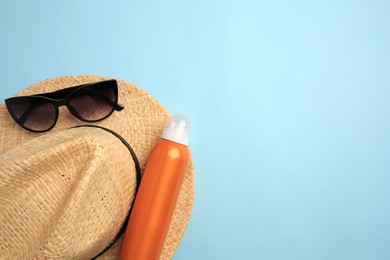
<point>289,102</point>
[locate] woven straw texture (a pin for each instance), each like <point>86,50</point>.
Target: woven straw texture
<point>88,200</point>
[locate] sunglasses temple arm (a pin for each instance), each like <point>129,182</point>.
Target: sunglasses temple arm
<point>119,107</point>
<point>26,113</point>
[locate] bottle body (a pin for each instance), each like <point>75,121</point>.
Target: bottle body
<point>155,202</point>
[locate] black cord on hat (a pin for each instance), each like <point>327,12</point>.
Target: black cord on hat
<point>138,179</point>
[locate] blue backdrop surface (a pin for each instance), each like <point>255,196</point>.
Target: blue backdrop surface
<point>289,103</point>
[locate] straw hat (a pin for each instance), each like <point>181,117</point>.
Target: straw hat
<point>66,193</point>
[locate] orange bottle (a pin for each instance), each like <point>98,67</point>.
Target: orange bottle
<point>157,195</point>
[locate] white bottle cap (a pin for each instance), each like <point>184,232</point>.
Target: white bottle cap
<point>177,129</point>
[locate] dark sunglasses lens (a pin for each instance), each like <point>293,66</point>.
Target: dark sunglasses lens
<point>35,114</point>
<point>95,102</point>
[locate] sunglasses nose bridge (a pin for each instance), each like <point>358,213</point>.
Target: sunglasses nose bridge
<point>60,102</point>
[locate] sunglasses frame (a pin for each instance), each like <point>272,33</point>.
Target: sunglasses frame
<point>60,98</point>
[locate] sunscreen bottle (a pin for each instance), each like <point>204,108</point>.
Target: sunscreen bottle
<point>158,193</point>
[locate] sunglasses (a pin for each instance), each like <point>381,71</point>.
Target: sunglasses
<point>90,102</point>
